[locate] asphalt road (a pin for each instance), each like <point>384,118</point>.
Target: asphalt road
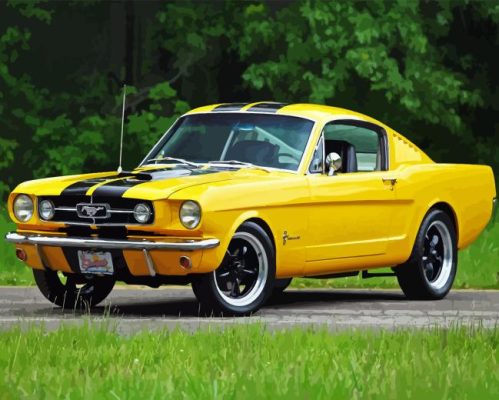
<point>131,310</point>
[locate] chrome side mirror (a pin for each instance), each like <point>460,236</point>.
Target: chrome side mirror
<point>333,162</point>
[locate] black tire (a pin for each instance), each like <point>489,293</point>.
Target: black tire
<point>430,271</point>
<point>76,292</point>
<point>280,286</point>
<point>249,264</point>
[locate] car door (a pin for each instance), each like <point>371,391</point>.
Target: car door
<point>351,210</point>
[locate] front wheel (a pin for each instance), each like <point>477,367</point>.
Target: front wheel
<point>431,269</point>
<point>244,280</point>
<point>281,285</point>
<point>71,290</point>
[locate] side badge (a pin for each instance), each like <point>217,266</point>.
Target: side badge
<point>286,237</point>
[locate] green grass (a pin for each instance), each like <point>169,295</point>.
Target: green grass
<point>12,271</point>
<point>248,362</point>
<point>478,265</point>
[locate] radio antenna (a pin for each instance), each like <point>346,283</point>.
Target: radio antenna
<point>122,127</point>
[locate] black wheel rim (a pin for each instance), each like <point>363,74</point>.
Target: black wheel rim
<point>433,254</point>
<point>437,259</point>
<point>239,271</point>
<point>76,286</point>
<point>242,276</point>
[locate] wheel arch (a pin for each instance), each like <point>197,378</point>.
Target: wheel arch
<point>437,204</point>
<point>263,224</point>
<point>248,216</point>
<point>447,208</point>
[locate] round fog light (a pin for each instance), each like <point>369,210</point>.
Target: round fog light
<point>46,210</point>
<point>142,213</point>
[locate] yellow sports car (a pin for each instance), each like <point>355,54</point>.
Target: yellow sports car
<point>237,199</point>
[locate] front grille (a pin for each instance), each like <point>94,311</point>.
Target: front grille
<point>118,211</point>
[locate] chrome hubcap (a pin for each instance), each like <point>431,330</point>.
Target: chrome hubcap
<point>437,255</point>
<point>242,276</point>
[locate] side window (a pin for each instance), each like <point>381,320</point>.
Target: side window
<point>359,147</point>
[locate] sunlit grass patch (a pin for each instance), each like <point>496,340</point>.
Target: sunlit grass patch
<point>12,271</point>
<point>249,362</point>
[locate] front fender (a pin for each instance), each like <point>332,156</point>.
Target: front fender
<point>212,258</point>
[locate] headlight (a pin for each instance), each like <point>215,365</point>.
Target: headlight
<point>46,210</point>
<point>23,208</point>
<point>142,212</point>
<point>190,214</point>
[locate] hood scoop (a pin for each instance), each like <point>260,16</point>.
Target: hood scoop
<point>154,175</point>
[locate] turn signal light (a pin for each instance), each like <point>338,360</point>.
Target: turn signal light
<point>21,254</point>
<point>185,262</point>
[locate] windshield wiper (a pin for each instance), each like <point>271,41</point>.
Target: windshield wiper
<point>236,163</point>
<point>178,160</point>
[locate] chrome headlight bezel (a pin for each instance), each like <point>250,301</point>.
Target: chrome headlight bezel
<point>46,210</point>
<point>23,208</point>
<point>190,214</point>
<point>142,213</point>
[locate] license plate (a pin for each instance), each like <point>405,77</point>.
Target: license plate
<point>95,262</point>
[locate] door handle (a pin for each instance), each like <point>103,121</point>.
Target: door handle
<point>391,181</point>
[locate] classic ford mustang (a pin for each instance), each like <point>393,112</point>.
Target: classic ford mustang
<point>237,199</point>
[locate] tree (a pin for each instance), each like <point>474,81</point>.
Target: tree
<point>428,69</point>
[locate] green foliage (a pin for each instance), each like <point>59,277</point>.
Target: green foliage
<point>32,9</point>
<point>333,48</point>
<point>426,68</point>
<point>249,362</point>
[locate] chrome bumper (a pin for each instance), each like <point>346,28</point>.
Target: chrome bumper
<point>98,243</point>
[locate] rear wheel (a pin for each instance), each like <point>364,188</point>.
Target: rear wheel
<point>432,267</point>
<point>244,280</point>
<point>71,290</point>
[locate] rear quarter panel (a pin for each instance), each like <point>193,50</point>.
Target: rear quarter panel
<point>467,189</point>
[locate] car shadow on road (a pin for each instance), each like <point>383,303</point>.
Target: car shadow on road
<point>189,307</point>
<point>310,297</point>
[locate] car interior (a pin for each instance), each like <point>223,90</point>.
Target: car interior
<point>359,147</point>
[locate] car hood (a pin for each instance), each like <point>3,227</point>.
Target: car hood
<point>145,183</point>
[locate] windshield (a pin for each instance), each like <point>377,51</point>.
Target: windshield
<point>275,141</point>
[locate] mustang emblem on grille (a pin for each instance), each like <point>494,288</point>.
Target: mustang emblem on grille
<point>89,210</point>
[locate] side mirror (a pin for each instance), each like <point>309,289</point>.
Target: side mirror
<point>333,162</point>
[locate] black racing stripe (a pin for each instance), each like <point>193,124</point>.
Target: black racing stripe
<point>116,188</point>
<point>229,107</point>
<point>80,188</point>
<point>270,107</point>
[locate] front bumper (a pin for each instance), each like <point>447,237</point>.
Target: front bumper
<point>140,256</point>
<point>98,243</point>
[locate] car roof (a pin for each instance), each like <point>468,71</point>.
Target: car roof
<point>314,112</point>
